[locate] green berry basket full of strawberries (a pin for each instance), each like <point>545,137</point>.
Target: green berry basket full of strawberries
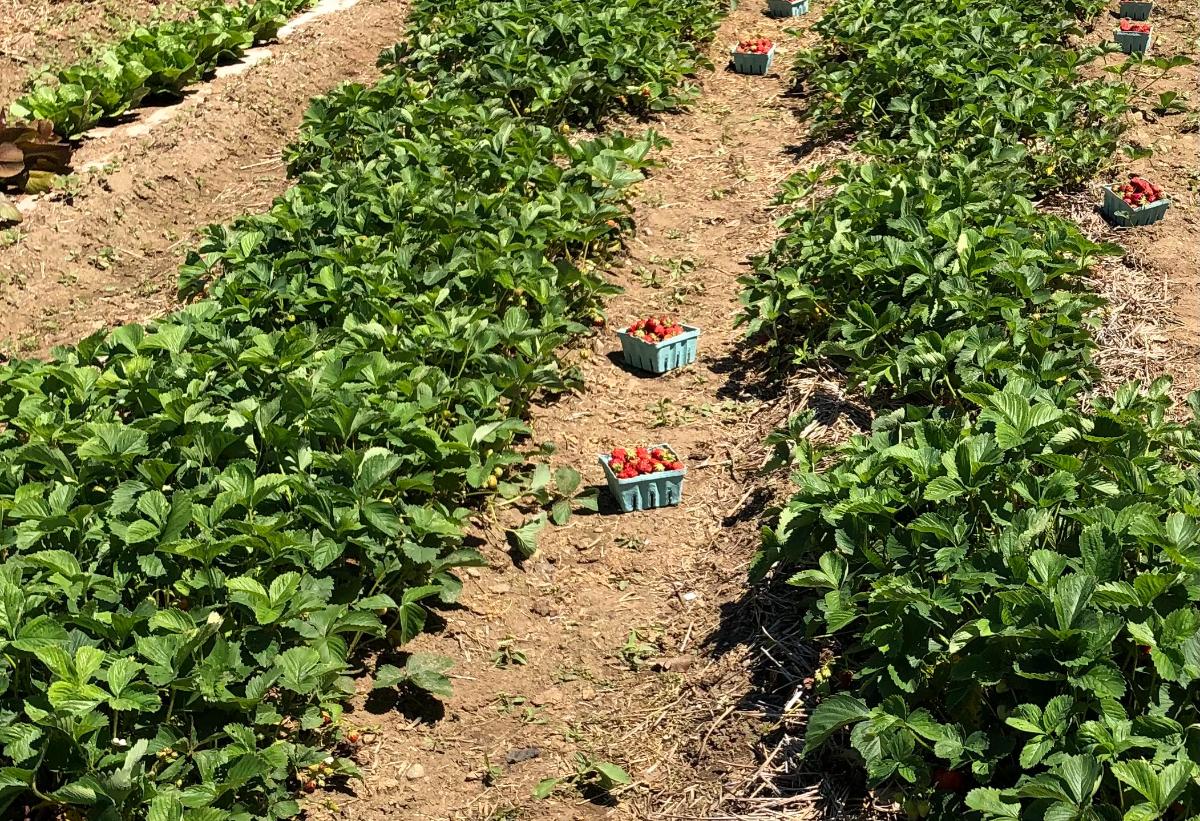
<point>1133,36</point>
<point>658,344</point>
<point>1137,202</point>
<point>753,55</point>
<point>644,477</point>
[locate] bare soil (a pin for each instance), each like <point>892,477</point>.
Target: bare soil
<point>630,638</point>
<point>106,251</point>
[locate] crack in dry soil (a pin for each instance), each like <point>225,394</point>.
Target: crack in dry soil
<point>631,627</point>
<point>109,253</point>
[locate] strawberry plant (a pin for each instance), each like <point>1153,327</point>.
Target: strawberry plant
<point>570,71</point>
<point>1005,580</point>
<point>922,279</point>
<point>1015,593</point>
<point>881,69</point>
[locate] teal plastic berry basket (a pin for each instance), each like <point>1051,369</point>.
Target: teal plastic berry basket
<point>793,8</point>
<point>1119,212</point>
<point>1135,10</point>
<point>1134,42</point>
<point>660,357</point>
<point>645,492</point>
<point>746,63</point>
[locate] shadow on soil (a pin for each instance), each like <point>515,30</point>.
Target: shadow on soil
<point>767,625</point>
<point>618,359</point>
<point>768,621</point>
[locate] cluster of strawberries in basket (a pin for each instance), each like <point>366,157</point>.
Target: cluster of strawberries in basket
<point>631,462</point>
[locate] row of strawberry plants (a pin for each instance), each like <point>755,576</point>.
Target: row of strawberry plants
<point>1007,570</point>
<point>923,278</point>
<point>212,522</point>
<point>897,276</point>
<point>161,58</point>
<point>922,79</point>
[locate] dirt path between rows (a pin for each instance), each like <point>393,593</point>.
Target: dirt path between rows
<point>1152,326</point>
<point>623,638</point>
<point>108,253</point>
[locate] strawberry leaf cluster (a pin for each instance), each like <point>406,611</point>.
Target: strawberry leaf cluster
<point>937,76</point>
<point>1015,592</point>
<point>920,279</point>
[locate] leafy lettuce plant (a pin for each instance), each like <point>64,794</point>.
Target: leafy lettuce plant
<point>158,59</point>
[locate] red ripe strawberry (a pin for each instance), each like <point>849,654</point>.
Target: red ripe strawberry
<point>619,453</point>
<point>949,781</point>
<point>642,453</point>
<point>1124,25</point>
<point>676,465</point>
<point>645,466</point>
<point>657,453</point>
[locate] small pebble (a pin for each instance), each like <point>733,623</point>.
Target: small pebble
<point>522,754</point>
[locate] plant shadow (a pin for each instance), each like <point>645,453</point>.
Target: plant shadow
<point>768,621</point>
<point>618,359</point>
<point>606,505</point>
